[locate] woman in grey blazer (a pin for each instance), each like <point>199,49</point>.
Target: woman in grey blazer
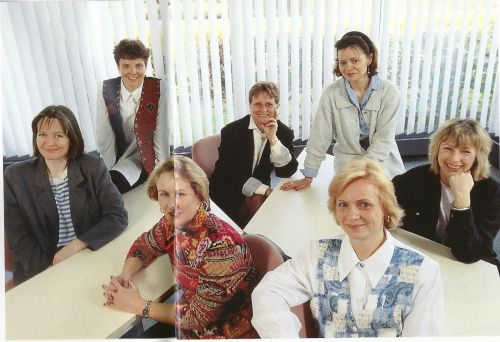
<point>359,110</point>
<point>61,200</point>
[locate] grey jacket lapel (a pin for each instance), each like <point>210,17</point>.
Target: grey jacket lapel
<point>77,195</point>
<point>46,200</point>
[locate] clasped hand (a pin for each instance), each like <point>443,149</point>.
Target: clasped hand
<point>122,294</point>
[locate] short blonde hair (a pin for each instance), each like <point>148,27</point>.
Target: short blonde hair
<point>371,171</point>
<point>462,133</point>
<point>185,168</point>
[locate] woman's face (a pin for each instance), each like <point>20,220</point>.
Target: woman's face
<point>453,160</point>
<point>51,140</point>
<point>263,108</point>
<point>177,199</point>
<point>132,72</point>
<point>353,63</point>
<point>359,212</point>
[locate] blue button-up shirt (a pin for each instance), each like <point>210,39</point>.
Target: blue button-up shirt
<point>375,84</point>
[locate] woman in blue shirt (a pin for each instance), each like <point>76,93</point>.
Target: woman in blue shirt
<point>359,111</point>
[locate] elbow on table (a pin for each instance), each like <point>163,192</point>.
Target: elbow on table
<point>466,256</point>
<point>287,170</point>
<point>108,233</point>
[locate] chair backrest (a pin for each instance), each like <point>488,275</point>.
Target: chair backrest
<point>205,153</point>
<point>266,257</point>
<point>308,324</point>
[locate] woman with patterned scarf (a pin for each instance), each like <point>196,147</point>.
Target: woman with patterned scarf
<point>213,266</point>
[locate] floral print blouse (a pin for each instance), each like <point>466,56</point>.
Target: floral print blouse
<point>214,272</point>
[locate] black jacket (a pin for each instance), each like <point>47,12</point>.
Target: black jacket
<point>31,218</point>
<point>470,233</point>
<point>234,166</point>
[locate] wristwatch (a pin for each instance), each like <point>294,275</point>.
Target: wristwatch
<point>145,311</point>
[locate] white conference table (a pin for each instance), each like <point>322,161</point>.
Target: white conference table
<point>66,302</point>
<point>471,291</point>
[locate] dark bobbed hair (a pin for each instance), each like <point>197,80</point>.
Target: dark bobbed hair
<point>270,88</point>
<point>71,128</point>
<point>130,49</point>
<point>361,40</point>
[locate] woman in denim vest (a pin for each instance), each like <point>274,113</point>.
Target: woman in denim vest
<point>363,283</point>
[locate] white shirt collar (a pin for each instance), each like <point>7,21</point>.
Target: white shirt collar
<point>253,126</point>
<point>375,265</point>
<point>136,94</point>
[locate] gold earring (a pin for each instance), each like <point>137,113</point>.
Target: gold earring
<point>205,205</point>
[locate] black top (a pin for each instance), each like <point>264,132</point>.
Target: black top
<point>470,233</point>
<point>234,166</point>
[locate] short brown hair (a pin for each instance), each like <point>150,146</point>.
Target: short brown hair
<point>270,88</point>
<point>462,133</point>
<point>374,173</point>
<point>68,120</point>
<point>130,49</point>
<point>185,168</point>
<point>361,40</point>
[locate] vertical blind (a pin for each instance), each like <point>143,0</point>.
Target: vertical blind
<point>56,52</point>
<point>443,56</point>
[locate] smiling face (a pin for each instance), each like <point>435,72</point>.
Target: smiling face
<point>263,107</point>
<point>51,140</point>
<point>360,214</point>
<point>177,199</point>
<point>353,63</point>
<point>453,159</point>
<point>132,72</point>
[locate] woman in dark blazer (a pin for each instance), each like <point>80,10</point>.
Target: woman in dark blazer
<point>61,201</point>
<point>452,200</point>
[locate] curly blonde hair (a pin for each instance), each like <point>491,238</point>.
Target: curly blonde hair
<point>463,133</point>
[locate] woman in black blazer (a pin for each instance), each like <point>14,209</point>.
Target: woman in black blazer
<point>452,200</point>
<point>61,201</point>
